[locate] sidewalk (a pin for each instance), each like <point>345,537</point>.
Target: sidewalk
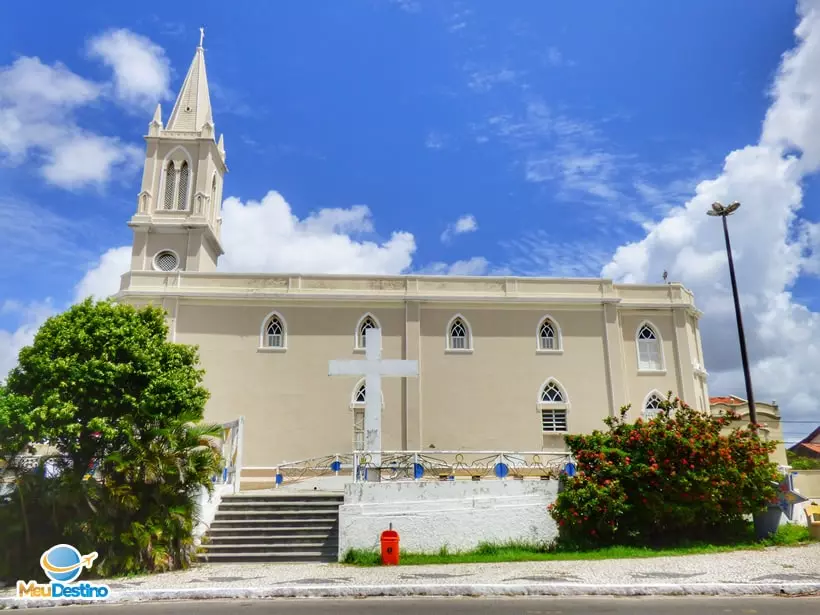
<point>793,570</point>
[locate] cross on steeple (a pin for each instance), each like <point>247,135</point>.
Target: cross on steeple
<point>201,36</point>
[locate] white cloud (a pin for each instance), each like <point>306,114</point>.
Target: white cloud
<point>477,265</point>
<point>89,159</point>
<point>571,154</point>
<point>103,279</point>
<point>434,140</point>
<point>142,72</point>
<point>543,253</point>
<point>554,56</point>
<point>408,6</point>
<point>770,244</point>
<point>38,125</point>
<point>465,224</point>
<point>486,80</point>
<point>265,236</point>
<point>30,317</point>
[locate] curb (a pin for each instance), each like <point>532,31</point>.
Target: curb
<point>435,590</point>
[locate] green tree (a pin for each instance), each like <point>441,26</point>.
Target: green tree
<point>123,407</point>
<point>100,374</point>
<point>672,478</point>
<point>16,426</point>
<point>802,463</point>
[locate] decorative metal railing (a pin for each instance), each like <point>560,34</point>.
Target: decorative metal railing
<point>429,465</point>
<point>461,465</point>
<point>315,467</point>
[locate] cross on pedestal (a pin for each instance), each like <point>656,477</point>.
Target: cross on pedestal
<point>373,368</point>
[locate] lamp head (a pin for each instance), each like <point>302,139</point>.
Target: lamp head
<point>732,208</point>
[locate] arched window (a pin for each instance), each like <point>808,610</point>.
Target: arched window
<point>650,356</point>
<point>358,416</point>
<point>652,404</point>
<point>170,186</point>
<point>182,200</point>
<point>357,404</point>
<point>549,335</point>
<point>459,336</point>
<point>274,333</point>
<point>368,321</point>
<point>553,405</point>
<point>213,198</point>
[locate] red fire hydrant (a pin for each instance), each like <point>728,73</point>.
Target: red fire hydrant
<point>390,547</point>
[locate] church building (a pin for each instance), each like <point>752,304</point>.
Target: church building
<point>504,363</point>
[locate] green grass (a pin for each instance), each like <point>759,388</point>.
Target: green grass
<point>787,535</point>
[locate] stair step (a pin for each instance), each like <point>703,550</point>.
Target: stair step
<point>303,497</point>
<point>280,507</point>
<point>294,525</point>
<point>271,547</point>
<point>292,513</point>
<point>299,556</point>
<point>254,528</point>
<point>272,532</point>
<point>285,538</point>
<point>267,514</point>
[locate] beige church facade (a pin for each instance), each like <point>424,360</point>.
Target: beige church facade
<point>505,363</point>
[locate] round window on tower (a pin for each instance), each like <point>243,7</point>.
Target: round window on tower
<point>166,261</point>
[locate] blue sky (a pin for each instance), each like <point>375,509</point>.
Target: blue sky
<point>557,132</point>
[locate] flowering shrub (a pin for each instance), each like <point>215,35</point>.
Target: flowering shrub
<point>670,478</point>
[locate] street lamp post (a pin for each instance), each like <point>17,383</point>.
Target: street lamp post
<point>724,212</point>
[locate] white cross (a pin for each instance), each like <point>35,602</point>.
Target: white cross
<point>373,368</point>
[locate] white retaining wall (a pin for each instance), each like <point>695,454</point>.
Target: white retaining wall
<point>455,514</point>
<point>206,507</point>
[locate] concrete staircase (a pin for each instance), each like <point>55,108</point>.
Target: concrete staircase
<point>293,527</point>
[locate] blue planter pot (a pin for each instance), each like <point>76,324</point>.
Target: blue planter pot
<point>766,522</point>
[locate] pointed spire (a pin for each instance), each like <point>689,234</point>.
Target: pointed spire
<point>193,106</point>
<point>221,144</point>
<point>155,126</point>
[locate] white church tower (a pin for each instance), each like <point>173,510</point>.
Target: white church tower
<point>178,220</point>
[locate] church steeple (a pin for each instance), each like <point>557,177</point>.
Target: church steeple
<point>192,110</point>
<point>178,221</point>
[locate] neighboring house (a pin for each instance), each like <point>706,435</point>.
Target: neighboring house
<point>506,363</point>
<point>808,446</point>
<point>768,415</point>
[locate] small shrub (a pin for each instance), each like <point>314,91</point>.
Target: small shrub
<point>667,480</point>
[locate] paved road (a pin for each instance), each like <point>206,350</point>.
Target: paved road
<point>468,606</point>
